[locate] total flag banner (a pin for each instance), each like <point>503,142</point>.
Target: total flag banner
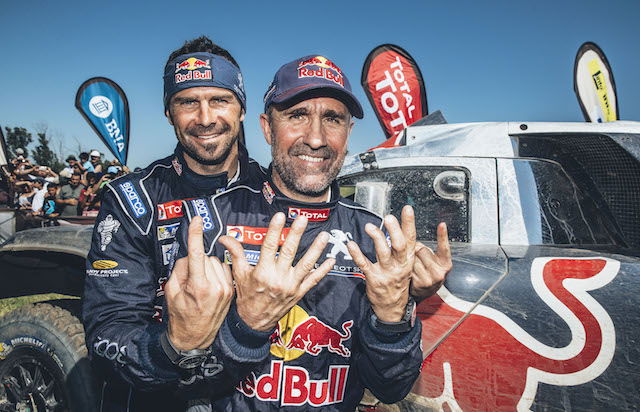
<point>104,106</point>
<point>594,85</point>
<point>394,86</point>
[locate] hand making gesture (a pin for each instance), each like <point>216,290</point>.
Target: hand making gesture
<point>430,269</point>
<point>266,292</point>
<point>198,294</point>
<point>389,278</point>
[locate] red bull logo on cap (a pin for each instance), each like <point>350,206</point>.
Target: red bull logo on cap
<point>192,66</point>
<point>298,333</point>
<point>324,69</point>
<point>320,61</point>
<point>192,63</point>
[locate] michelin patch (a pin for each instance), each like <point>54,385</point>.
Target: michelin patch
<point>106,229</point>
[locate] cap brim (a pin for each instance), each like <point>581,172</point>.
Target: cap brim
<point>311,91</point>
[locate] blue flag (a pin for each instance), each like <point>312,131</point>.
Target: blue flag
<point>104,106</point>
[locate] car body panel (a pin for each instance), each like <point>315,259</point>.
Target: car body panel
<point>542,316</point>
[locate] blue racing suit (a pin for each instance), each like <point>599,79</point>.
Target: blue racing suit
<point>327,349</point>
<point>127,268</point>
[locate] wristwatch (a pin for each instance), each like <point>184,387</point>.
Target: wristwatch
<point>404,325</point>
<point>185,359</point>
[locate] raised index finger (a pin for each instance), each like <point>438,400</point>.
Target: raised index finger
<point>195,247</point>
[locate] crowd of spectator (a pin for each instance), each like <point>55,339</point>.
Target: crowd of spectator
<point>43,197</point>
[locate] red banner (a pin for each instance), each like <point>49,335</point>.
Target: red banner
<point>393,83</point>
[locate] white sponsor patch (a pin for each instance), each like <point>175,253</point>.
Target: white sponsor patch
<point>106,229</point>
<point>168,231</point>
<point>339,240</point>
<point>166,253</point>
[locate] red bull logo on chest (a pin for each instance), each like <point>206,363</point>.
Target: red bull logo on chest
<point>298,333</point>
<point>292,386</point>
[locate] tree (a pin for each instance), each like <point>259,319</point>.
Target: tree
<point>17,138</point>
<point>43,155</point>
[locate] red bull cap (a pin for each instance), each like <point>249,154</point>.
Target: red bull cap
<point>311,76</point>
<point>202,70</point>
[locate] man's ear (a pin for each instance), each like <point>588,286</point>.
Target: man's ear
<point>242,115</point>
<point>266,127</point>
<point>168,114</point>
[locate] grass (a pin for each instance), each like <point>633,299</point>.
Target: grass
<point>9,304</point>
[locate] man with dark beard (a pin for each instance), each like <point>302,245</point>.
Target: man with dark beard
<point>334,327</point>
<point>204,101</point>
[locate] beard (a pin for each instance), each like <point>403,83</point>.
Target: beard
<point>211,154</point>
<point>298,179</point>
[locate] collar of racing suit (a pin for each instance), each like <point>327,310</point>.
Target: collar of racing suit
<point>315,212</point>
<point>205,185</point>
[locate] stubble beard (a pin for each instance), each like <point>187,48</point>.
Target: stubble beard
<point>294,179</point>
<point>210,158</point>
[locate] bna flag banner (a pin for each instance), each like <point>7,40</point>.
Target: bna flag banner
<point>104,106</point>
<point>594,85</point>
<point>393,84</point>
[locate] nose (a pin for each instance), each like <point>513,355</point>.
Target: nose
<point>206,115</point>
<point>315,136</point>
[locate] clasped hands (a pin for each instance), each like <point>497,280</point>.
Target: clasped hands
<point>200,289</point>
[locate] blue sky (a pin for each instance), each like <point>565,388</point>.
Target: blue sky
<point>481,60</point>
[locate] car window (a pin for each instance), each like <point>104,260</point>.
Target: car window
<point>437,194</point>
<point>540,204</point>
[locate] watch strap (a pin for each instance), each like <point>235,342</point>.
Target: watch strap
<point>185,359</point>
<point>404,325</point>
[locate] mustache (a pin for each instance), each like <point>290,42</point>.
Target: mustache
<point>302,149</point>
<point>214,128</point>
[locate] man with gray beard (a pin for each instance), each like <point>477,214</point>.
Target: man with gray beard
<point>318,290</point>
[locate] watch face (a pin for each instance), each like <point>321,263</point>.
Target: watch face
<point>190,362</point>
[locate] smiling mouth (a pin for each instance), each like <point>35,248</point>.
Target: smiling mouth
<point>311,159</point>
<point>207,136</point>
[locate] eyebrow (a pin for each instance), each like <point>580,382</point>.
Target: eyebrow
<point>299,110</point>
<point>228,95</point>
<point>183,99</point>
<point>333,114</point>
